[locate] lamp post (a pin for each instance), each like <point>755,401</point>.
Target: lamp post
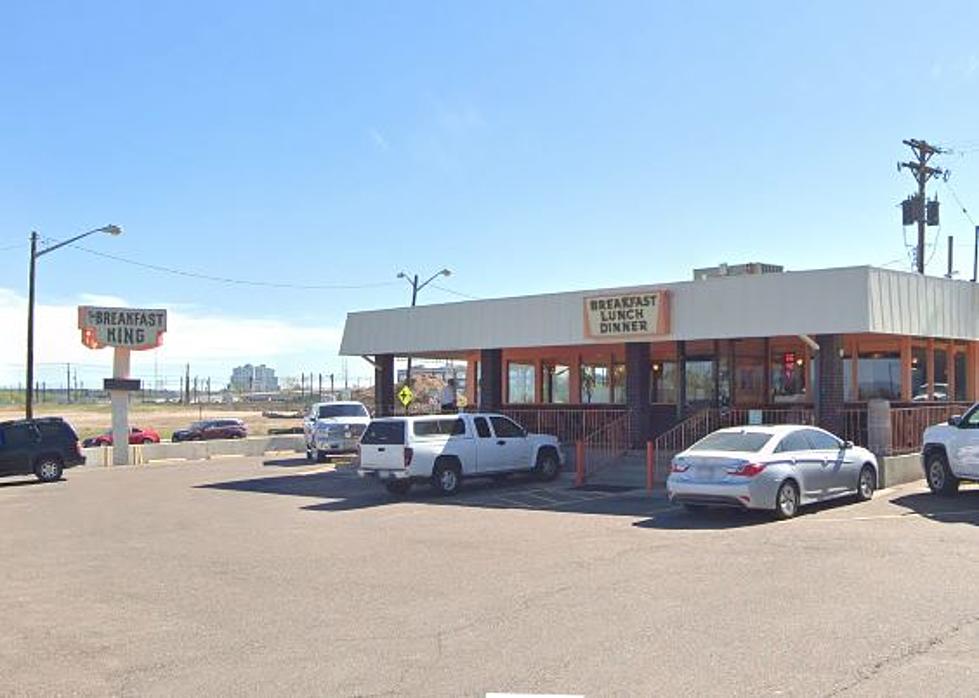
<point>415,288</point>
<point>35,253</point>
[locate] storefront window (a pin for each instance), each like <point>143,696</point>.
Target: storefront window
<point>788,377</point>
<point>700,381</point>
<point>919,373</point>
<point>521,383</point>
<point>595,386</point>
<point>618,384</point>
<point>879,376</point>
<point>940,391</point>
<point>961,378</point>
<point>662,387</point>
<point>557,384</point>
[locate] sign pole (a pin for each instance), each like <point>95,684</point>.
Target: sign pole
<point>120,408</point>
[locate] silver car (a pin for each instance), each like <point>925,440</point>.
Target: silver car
<point>777,468</point>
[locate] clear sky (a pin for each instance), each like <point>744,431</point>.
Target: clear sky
<point>528,146</point>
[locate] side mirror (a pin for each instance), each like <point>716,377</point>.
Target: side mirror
<point>955,420</point>
<point>847,445</point>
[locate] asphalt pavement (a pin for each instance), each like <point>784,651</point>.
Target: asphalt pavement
<point>269,577</point>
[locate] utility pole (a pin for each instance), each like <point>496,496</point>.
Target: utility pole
<point>29,404</point>
<point>975,257</point>
<point>68,385</point>
<point>415,288</point>
<point>320,386</point>
<point>332,391</point>
<point>923,152</point>
<point>187,386</point>
<point>949,274</point>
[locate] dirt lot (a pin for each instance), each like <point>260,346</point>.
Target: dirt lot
<point>90,420</point>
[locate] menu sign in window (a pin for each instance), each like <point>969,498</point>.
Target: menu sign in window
<point>625,315</point>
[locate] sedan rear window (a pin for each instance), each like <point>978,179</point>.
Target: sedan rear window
<point>382,433</point>
<point>749,441</point>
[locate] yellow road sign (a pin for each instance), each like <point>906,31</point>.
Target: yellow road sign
<point>406,396</point>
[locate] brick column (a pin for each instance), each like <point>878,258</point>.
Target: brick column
<point>491,390</point>
<point>638,368</point>
<point>384,385</point>
<point>829,383</point>
<point>681,380</point>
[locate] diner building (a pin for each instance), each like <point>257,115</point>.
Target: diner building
<point>783,345</point>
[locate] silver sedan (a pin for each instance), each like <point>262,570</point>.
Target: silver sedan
<point>777,468</point>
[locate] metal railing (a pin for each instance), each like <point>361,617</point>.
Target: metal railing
<point>700,424</point>
<point>604,446</point>
<point>567,424</point>
<point>908,424</point>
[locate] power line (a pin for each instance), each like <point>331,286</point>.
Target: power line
<point>959,202</point>
<point>13,247</point>
<point>229,280</point>
<point>456,293</point>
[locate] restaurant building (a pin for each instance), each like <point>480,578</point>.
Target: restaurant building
<point>775,345</point>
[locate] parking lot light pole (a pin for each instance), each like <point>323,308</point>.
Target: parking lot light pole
<point>415,288</point>
<point>35,253</point>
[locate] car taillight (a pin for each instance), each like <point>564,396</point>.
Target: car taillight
<point>409,453</point>
<point>78,449</point>
<point>676,467</point>
<point>747,470</point>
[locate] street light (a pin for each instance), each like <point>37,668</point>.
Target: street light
<point>415,288</point>
<point>35,253</point>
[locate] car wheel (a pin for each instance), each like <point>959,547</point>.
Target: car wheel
<point>446,478</point>
<point>321,456</point>
<point>940,478</point>
<point>787,500</point>
<point>866,484</point>
<point>48,469</point>
<point>548,466</point>
<point>147,441</point>
<point>398,487</point>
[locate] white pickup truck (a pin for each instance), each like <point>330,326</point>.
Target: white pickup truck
<point>950,452</point>
<point>333,428</point>
<point>443,450</point>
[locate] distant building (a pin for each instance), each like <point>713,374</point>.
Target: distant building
<point>736,270</point>
<point>254,379</point>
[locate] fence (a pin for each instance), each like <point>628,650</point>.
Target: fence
<point>604,446</point>
<point>567,424</point>
<point>908,424</point>
<point>700,424</point>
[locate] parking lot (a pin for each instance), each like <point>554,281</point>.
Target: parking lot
<point>262,576</point>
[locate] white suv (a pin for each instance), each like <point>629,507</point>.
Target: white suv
<point>442,450</point>
<point>333,428</point>
<point>950,452</point>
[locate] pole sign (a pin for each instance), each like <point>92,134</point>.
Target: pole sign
<point>637,314</point>
<point>124,328</point>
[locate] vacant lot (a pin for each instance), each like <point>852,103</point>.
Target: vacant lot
<point>246,577</point>
<point>90,420</point>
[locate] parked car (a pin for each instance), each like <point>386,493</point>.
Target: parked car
<point>212,429</point>
<point>136,436</point>
<point>42,447</point>
<point>333,428</point>
<point>925,393</point>
<point>444,450</point>
<point>776,468</point>
<point>950,452</point>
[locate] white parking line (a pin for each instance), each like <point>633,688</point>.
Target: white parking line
<point>903,515</point>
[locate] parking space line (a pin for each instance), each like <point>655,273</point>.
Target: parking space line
<point>902,515</point>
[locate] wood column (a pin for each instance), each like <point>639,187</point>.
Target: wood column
<point>971,357</point>
<point>854,377</point>
<point>491,391</point>
<point>574,380</point>
<point>638,366</point>
<point>950,369</point>
<point>384,385</point>
<point>930,365</point>
<point>906,369</point>
<point>681,379</point>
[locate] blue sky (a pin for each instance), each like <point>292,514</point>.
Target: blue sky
<point>528,146</point>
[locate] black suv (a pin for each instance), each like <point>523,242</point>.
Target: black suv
<point>43,447</point>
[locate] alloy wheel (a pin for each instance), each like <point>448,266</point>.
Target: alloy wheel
<point>936,474</point>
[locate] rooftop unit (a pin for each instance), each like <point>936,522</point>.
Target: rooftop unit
<point>736,270</point>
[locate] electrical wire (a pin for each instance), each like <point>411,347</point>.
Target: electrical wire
<point>12,247</point>
<point>455,293</point>
<point>959,202</point>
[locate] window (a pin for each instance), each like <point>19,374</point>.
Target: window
<point>482,428</point>
<point>919,373</point>
<point>961,377</point>
<point>557,384</point>
<point>521,383</point>
<point>18,435</point>
<point>663,383</point>
<point>793,442</point>
<point>385,432</point>
<point>595,386</point>
<point>700,381</point>
<point>821,441</point>
<point>55,430</point>
<point>439,427</point>
<point>618,384</point>
<point>788,376</point>
<point>506,429</point>
<point>327,411</point>
<point>878,376</point>
<point>750,441</point>
<point>940,391</point>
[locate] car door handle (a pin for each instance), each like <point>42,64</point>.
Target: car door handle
<point>381,449</point>
<point>501,442</point>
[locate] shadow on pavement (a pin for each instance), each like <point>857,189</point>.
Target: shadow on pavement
<point>22,483</point>
<point>679,519</point>
<point>342,490</point>
<point>962,508</point>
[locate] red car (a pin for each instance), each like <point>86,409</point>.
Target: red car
<point>136,436</point>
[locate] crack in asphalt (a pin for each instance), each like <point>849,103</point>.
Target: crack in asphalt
<point>905,655</point>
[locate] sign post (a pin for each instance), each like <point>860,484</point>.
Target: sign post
<point>127,330</point>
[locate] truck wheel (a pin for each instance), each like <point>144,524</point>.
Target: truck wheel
<point>320,456</point>
<point>309,454</point>
<point>548,466</point>
<point>866,484</point>
<point>398,487</point>
<point>48,469</point>
<point>446,478</point>
<point>940,478</point>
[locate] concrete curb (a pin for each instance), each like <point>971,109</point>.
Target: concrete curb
<point>101,456</point>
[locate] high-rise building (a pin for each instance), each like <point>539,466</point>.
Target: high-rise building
<point>254,379</point>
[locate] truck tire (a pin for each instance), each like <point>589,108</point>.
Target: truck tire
<point>941,481</point>
<point>446,477</point>
<point>548,465</point>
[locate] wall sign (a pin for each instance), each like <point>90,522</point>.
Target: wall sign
<point>624,315</point>
<point>127,328</point>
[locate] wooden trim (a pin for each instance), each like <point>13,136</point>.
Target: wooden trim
<point>906,369</point>
<point>950,370</point>
<point>930,365</point>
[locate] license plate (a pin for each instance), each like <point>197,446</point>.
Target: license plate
<point>706,473</point>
